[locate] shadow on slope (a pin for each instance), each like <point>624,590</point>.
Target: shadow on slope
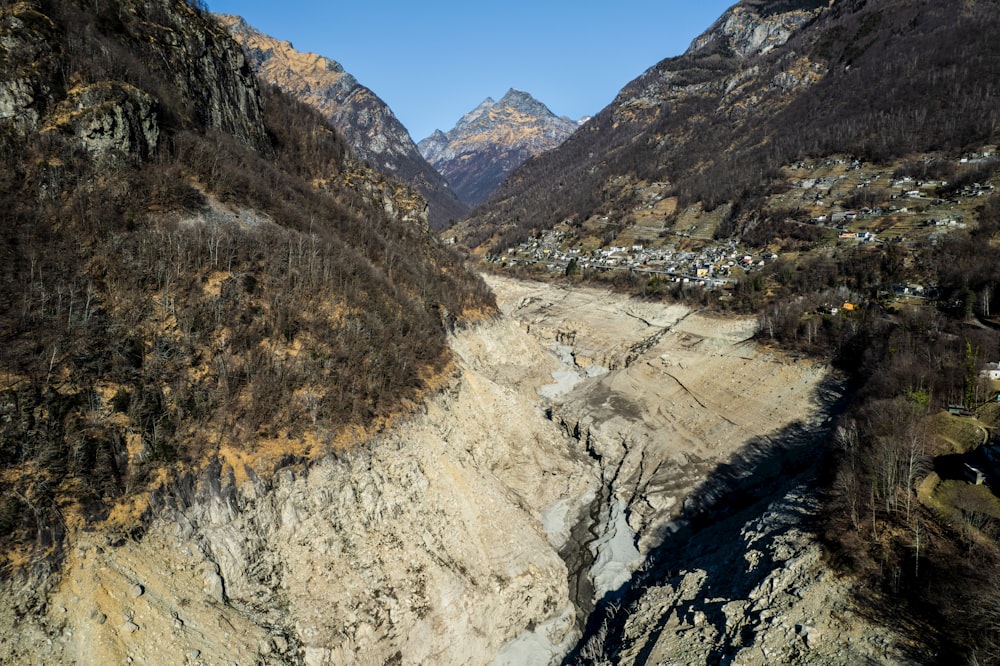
<point>708,534</point>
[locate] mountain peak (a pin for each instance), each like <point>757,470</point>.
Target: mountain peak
<point>471,116</point>
<point>514,94</point>
<point>490,141</point>
<point>523,101</point>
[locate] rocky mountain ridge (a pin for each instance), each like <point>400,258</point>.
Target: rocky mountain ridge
<point>768,85</point>
<point>493,139</point>
<point>367,124</point>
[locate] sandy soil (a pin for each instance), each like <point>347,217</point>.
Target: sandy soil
<point>667,392</point>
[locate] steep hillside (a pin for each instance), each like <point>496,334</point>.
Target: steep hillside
<point>194,273</point>
<point>831,167</point>
<point>368,126</point>
<point>492,140</point>
<point>769,84</point>
<point>482,529</point>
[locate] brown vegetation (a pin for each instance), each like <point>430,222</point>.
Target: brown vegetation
<point>154,309</point>
<point>933,550</point>
<point>897,78</point>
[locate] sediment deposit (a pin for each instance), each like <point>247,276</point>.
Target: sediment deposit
<point>580,432</point>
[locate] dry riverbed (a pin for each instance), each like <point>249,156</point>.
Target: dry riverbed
<point>559,475</point>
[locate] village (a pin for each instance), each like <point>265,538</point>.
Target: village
<point>849,200</point>
<point>711,267</point>
<point>867,203</point>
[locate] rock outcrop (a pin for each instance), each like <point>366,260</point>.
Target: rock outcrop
<point>367,124</point>
<point>436,542</point>
<point>492,140</point>
<point>109,117</point>
<point>207,66</point>
<point>25,37</point>
<point>751,593</point>
<point>212,85</point>
<point>754,28</point>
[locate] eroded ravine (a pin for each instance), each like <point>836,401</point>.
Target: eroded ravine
<point>575,432</point>
<point>706,443</point>
<point>662,396</point>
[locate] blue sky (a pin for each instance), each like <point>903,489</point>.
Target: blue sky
<point>433,62</point>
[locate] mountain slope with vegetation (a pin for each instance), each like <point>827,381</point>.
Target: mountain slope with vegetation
<point>368,126</point>
<point>195,272</point>
<point>850,147</point>
<point>769,84</point>
<point>492,140</point>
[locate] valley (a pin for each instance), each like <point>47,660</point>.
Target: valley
<point>710,377</point>
<point>579,427</point>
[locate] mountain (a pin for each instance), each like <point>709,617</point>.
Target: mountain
<point>492,140</point>
<point>252,412</point>
<point>367,124</point>
<point>769,84</point>
<point>218,287</point>
<point>830,167</point>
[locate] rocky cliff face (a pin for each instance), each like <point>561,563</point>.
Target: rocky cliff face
<point>26,35</point>
<point>109,117</point>
<point>436,542</point>
<point>212,84</point>
<point>729,60</point>
<point>202,63</point>
<point>491,141</point>
<point>750,29</point>
<point>368,126</point>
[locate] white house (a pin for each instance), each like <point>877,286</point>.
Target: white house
<point>991,371</point>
